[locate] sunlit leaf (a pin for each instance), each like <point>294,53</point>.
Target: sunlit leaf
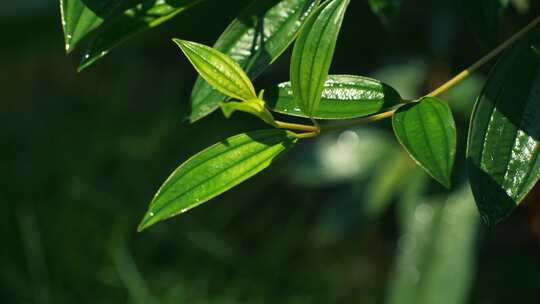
<point>216,170</point>
<point>504,140</point>
<point>343,97</point>
<point>426,129</point>
<point>313,53</point>
<point>255,39</point>
<point>219,70</point>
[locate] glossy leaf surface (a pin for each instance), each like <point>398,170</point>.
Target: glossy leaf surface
<point>313,53</point>
<point>132,21</point>
<point>504,139</point>
<point>343,97</point>
<point>219,70</point>
<point>426,129</point>
<point>216,170</point>
<point>255,39</point>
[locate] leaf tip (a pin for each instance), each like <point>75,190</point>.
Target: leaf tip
<point>180,42</point>
<point>148,220</point>
<point>446,182</point>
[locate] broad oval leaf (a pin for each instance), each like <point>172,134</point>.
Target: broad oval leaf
<point>504,138</point>
<point>136,19</point>
<point>219,70</point>
<point>313,53</point>
<point>426,129</point>
<point>255,39</point>
<point>216,170</point>
<point>343,97</point>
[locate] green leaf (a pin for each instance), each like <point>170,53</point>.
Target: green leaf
<point>216,170</point>
<point>106,23</point>
<point>254,106</point>
<point>484,18</point>
<point>426,129</point>
<point>134,20</point>
<point>219,70</point>
<point>255,39</point>
<point>504,138</point>
<point>79,18</point>
<point>313,53</point>
<point>343,97</point>
<point>387,10</point>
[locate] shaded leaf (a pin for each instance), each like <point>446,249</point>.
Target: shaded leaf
<point>255,39</point>
<point>80,18</point>
<point>504,138</point>
<point>343,97</point>
<point>132,21</point>
<point>106,23</point>
<point>219,70</point>
<point>313,53</point>
<point>427,131</point>
<point>216,170</point>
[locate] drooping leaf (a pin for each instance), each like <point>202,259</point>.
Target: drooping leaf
<point>106,23</point>
<point>79,18</point>
<point>216,170</point>
<point>343,97</point>
<point>139,18</point>
<point>436,250</point>
<point>385,9</point>
<point>504,138</point>
<point>219,70</point>
<point>255,39</point>
<point>426,129</point>
<point>313,53</point>
<point>484,18</point>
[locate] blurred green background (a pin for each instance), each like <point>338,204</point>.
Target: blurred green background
<point>346,218</point>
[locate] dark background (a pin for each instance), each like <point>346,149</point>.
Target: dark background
<point>82,155</point>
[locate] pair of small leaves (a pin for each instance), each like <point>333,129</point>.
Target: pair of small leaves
<point>216,170</point>
<point>426,129</point>
<point>106,23</point>
<point>503,151</point>
<point>255,39</point>
<point>313,53</point>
